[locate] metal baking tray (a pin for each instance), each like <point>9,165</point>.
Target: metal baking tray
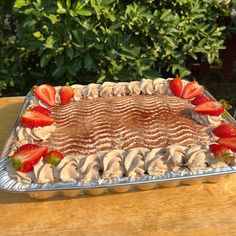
<point>116,185</point>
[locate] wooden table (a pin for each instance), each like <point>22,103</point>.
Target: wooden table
<point>204,209</point>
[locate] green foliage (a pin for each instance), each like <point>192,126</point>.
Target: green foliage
<point>98,40</point>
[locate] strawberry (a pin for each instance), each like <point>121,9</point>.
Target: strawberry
<point>24,160</point>
<point>53,157</point>
<point>176,86</point>
<point>46,93</point>
<point>32,119</point>
<point>192,90</point>
<point>219,150</point>
<point>224,131</point>
<point>199,99</point>
<point>228,142</point>
<point>27,146</point>
<point>66,93</point>
<point>210,107</point>
<point>41,109</point>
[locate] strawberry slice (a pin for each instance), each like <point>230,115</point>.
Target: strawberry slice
<point>219,150</point>
<point>176,86</point>
<point>210,107</point>
<point>192,90</point>
<point>32,119</point>
<point>28,146</point>
<point>224,131</point>
<point>24,160</point>
<point>228,142</point>
<point>66,93</point>
<point>53,157</point>
<point>199,99</point>
<point>46,93</point>
<point>43,110</point>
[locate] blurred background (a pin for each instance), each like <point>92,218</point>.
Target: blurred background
<point>84,41</point>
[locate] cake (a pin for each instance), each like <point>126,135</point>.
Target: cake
<point>114,130</point>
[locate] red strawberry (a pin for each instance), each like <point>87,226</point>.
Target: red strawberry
<point>53,157</point>
<point>192,90</point>
<point>28,146</point>
<point>46,93</point>
<point>224,131</point>
<point>176,86</point>
<point>199,99</point>
<point>66,93</point>
<point>24,160</point>
<point>219,150</point>
<point>41,109</point>
<point>228,142</point>
<point>32,119</point>
<point>210,107</point>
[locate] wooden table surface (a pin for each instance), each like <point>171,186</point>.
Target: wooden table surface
<point>203,209</point>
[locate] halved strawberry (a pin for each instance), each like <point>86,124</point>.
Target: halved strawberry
<point>210,107</point>
<point>176,86</point>
<point>66,93</point>
<point>199,99</point>
<point>27,146</point>
<point>46,93</point>
<point>53,157</point>
<point>24,160</point>
<point>221,152</point>
<point>224,131</point>
<point>41,109</point>
<point>192,90</point>
<point>32,119</point>
<point>228,142</point>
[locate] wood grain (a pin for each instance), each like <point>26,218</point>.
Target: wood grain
<point>203,209</point>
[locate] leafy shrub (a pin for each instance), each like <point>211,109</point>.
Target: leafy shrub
<point>98,40</point>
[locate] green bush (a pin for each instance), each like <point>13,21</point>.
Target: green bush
<point>97,40</point>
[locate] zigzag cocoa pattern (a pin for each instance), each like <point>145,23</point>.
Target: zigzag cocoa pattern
<point>104,124</point>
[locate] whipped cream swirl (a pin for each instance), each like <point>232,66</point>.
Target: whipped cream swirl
<point>134,88</point>
<point>91,91</point>
<point>78,91</point>
<point>155,163</point>
<point>112,163</point>
<point>120,89</point>
<point>27,135</point>
<point>134,161</point>
<point>207,120</point>
<point>146,86</point>
<point>106,89</point>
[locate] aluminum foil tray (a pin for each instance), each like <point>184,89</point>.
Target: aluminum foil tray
<point>116,185</point>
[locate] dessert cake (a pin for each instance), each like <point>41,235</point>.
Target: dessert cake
<point>114,130</point>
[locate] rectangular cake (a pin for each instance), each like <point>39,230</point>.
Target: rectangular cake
<point>113,130</point>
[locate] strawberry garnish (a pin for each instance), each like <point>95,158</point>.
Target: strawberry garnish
<point>32,119</point>
<point>24,160</point>
<point>41,109</point>
<point>53,157</point>
<point>66,93</point>
<point>46,93</point>
<point>220,152</point>
<point>28,146</point>
<point>199,99</point>
<point>210,107</point>
<point>176,86</point>
<point>224,131</point>
<point>192,90</point>
<point>228,142</point>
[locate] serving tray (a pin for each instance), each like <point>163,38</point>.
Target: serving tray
<point>116,185</point>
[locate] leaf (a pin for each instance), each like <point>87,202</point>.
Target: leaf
<point>53,18</point>
<point>44,60</point>
<point>58,72</point>
<point>51,40</point>
<point>88,61</point>
<point>60,8</point>
<point>68,4</point>
<point>85,11</point>
<point>70,53</point>
<point>21,3</point>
